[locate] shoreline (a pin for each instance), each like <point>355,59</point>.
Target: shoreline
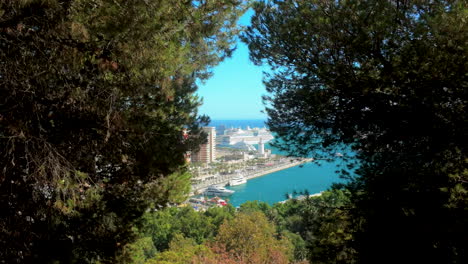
<point>224,179</point>
<point>279,168</point>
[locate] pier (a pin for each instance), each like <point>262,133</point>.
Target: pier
<point>224,179</point>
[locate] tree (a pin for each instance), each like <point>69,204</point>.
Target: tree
<point>250,238</point>
<point>388,80</point>
<point>255,206</point>
<point>181,251</point>
<point>174,188</point>
<point>138,252</point>
<point>163,225</point>
<point>217,215</point>
<point>328,228</point>
<point>319,227</point>
<point>96,96</point>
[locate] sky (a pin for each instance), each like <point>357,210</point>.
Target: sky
<point>235,90</point>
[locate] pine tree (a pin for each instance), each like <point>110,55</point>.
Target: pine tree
<point>95,96</point>
<point>387,79</point>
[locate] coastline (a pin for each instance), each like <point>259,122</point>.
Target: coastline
<point>224,179</point>
<point>279,168</point>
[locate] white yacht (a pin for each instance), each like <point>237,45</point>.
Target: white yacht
<point>214,190</point>
<point>238,180</point>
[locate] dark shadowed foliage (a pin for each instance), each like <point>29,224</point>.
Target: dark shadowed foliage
<point>94,99</point>
<point>389,79</point>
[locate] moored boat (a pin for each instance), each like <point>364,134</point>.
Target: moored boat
<point>214,190</point>
<point>238,180</point>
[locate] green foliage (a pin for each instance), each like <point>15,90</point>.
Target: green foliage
<point>300,251</point>
<point>328,228</point>
<point>181,251</point>
<point>316,229</point>
<point>458,198</point>
<point>163,225</point>
<point>254,206</point>
<point>193,225</point>
<point>250,238</point>
<point>182,235</point>
<point>174,188</point>
<point>95,98</point>
<point>319,227</point>
<point>138,252</point>
<point>159,226</point>
<point>387,79</point>
<point>217,215</point>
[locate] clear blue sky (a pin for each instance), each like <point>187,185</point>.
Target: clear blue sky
<point>235,90</point>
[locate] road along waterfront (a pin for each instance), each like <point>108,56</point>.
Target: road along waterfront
<point>224,179</point>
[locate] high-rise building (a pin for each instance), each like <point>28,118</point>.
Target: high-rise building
<point>207,153</point>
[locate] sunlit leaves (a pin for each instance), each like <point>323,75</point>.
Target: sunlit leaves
<point>95,98</point>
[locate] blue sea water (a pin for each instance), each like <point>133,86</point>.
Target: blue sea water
<point>274,187</point>
<point>239,123</point>
<point>313,177</point>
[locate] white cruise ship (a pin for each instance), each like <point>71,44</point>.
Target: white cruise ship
<point>249,136</point>
<point>214,190</point>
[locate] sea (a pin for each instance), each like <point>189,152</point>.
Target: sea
<point>239,123</point>
<point>313,177</point>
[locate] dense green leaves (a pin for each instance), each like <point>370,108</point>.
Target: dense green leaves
<point>95,96</point>
<point>328,228</point>
<point>163,225</point>
<point>250,238</point>
<point>316,229</point>
<point>388,79</point>
<point>320,228</point>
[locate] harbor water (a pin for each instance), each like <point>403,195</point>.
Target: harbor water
<point>275,187</point>
<point>313,177</point>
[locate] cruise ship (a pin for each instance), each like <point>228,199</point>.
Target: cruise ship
<point>214,190</point>
<point>250,136</point>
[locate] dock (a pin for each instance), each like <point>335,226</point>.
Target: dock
<point>224,179</point>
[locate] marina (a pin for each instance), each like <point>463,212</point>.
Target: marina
<point>280,185</point>
<point>246,171</point>
<point>248,174</point>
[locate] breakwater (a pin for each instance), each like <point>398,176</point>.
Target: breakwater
<point>224,179</point>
